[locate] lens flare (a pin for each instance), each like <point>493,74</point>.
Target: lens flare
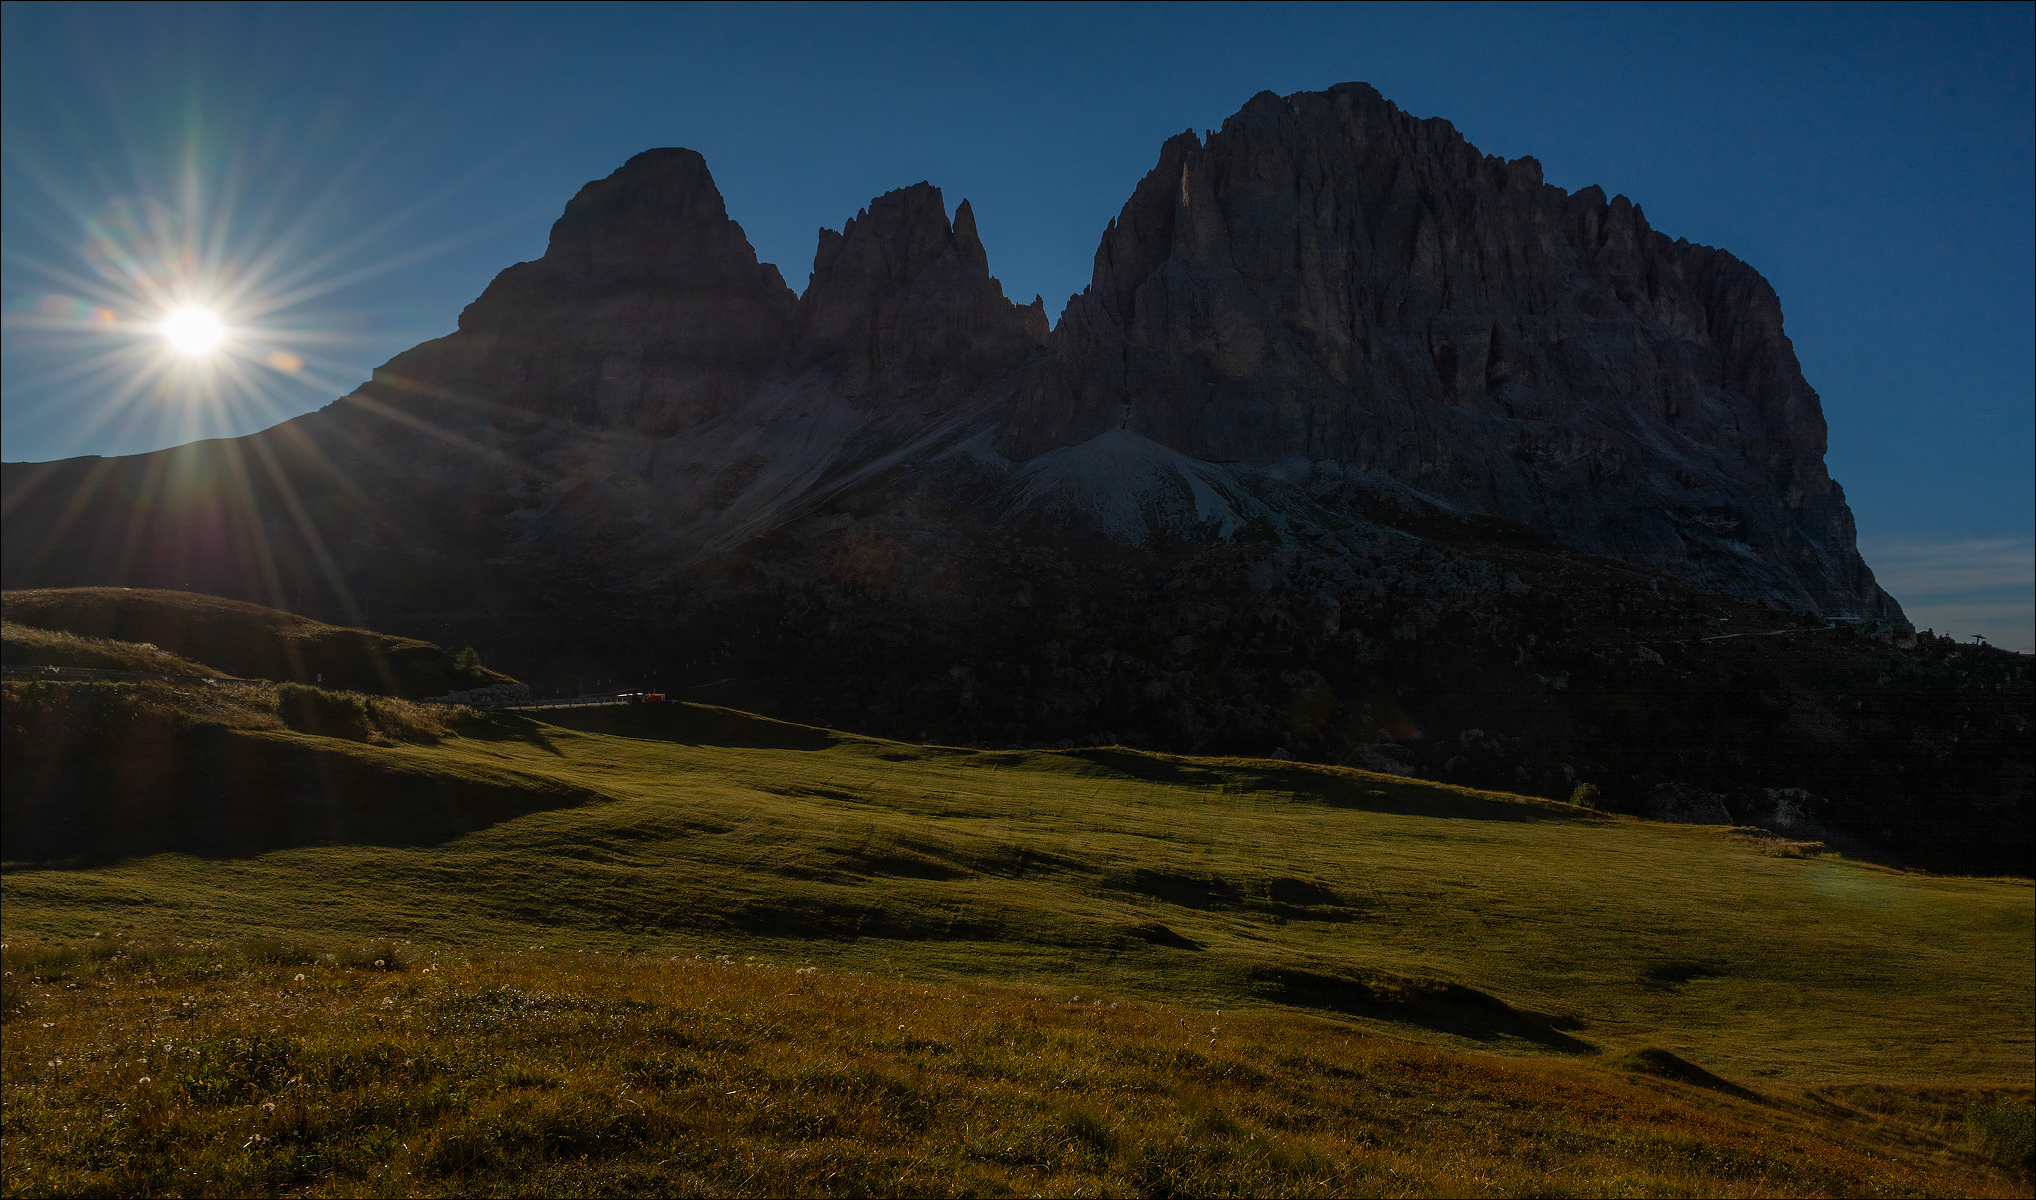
<point>198,304</point>
<point>194,331</point>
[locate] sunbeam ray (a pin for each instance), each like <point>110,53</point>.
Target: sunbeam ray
<point>197,304</point>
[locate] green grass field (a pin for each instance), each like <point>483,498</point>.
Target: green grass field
<point>1310,904</point>
<point>269,1069</point>
<point>1210,882</point>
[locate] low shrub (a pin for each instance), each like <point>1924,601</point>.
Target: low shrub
<point>362,718</point>
<point>328,714</point>
<point>226,1070</point>
<point>413,721</point>
<point>1086,1129</point>
<point>2005,1132</point>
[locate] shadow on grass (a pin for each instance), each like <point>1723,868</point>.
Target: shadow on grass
<point>840,919</point>
<point>224,793</point>
<point>1155,934</point>
<point>1282,896</point>
<point>1676,971</point>
<point>1153,768</point>
<point>1652,1060</point>
<point>1431,1004</point>
<point>843,918</point>
<point>687,724</point>
<point>511,727</point>
<point>1336,787</point>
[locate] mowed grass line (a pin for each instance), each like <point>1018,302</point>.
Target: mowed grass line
<point>138,1069</point>
<point>1214,883</point>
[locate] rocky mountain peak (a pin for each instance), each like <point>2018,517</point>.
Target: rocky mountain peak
<point>658,216</point>
<point>878,253</point>
<point>902,303</point>
<point>966,243</point>
<point>648,310</point>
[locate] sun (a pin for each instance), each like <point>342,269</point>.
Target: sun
<point>192,330</point>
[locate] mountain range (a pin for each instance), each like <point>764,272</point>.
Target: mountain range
<point>1324,307</point>
<point>1360,445</point>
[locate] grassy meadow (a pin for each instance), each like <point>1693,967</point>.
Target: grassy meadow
<point>194,1069</point>
<point>684,948</point>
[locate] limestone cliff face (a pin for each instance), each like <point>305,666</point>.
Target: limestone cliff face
<point>1330,280</point>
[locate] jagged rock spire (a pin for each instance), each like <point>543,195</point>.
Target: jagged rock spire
<point>902,304</point>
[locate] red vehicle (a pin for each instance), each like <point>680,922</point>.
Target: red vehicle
<point>646,697</point>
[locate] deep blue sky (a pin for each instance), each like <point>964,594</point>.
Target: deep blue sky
<point>1874,162</point>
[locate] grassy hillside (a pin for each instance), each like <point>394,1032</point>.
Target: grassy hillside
<point>246,639</point>
<point>26,646</point>
<point>158,1069</point>
<point>688,949</point>
<point>1476,918</point>
<point>98,771</point>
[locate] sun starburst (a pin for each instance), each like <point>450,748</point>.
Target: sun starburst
<point>198,308</point>
<point>193,330</point>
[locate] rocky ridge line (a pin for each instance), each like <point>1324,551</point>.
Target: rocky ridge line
<point>1325,313</point>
